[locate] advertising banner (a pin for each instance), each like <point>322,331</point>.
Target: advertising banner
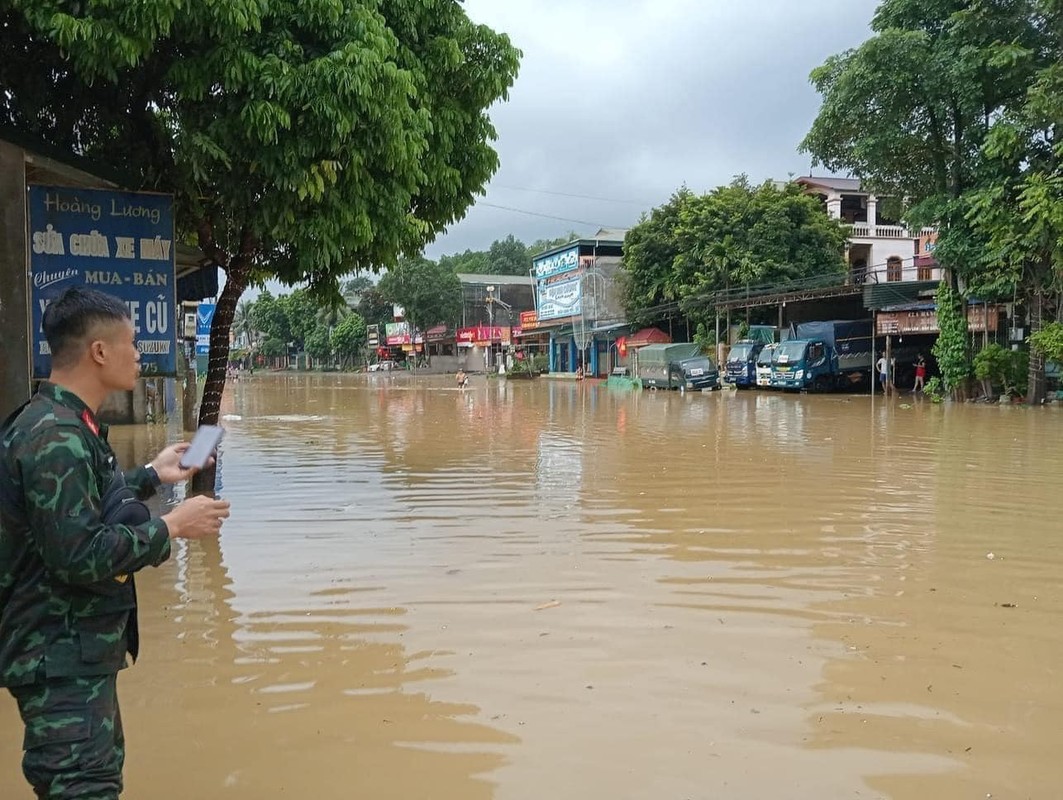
<point>483,335</point>
<point>556,264</point>
<point>559,299</point>
<point>528,320</point>
<point>120,243</point>
<point>204,317</point>
<point>397,333</point>
<point>926,320</point>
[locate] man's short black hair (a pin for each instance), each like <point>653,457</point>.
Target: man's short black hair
<point>71,317</point>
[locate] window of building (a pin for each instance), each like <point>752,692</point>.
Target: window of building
<point>894,269</point>
<point>860,270</point>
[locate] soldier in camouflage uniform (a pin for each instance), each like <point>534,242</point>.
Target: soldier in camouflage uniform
<point>67,597</point>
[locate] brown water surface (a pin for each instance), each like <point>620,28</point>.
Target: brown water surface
<point>548,590</point>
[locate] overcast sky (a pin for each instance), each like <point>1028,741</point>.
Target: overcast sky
<point>627,100</point>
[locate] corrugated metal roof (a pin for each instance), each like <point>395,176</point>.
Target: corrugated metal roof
<point>851,185</point>
<point>612,234</point>
<point>497,280</point>
<point>879,296</point>
<point>606,237</point>
<point>613,327</point>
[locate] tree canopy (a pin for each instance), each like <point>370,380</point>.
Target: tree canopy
<point>956,105</point>
<point>736,235</point>
<point>508,256</point>
<point>302,139</point>
<point>429,292</point>
<point>306,323</point>
<point>349,338</point>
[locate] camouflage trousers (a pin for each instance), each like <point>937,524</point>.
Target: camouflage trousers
<point>74,745</point>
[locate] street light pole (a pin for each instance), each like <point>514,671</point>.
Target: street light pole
<point>490,325</point>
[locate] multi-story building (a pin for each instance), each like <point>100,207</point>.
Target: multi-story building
<point>880,249</point>
<point>491,310</point>
<point>579,302</point>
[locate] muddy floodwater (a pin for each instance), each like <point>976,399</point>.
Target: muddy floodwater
<point>533,590</point>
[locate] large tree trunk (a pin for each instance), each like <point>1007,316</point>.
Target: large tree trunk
<point>218,360</point>
<point>1035,393</point>
<point>237,274</point>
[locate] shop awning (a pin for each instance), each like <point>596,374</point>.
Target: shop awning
<point>615,328</point>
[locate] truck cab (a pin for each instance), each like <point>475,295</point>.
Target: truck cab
<point>763,367</point>
<point>804,364</point>
<point>694,374</point>
<point>741,366</point>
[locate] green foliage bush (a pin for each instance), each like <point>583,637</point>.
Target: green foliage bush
<point>950,350</point>
<point>1049,341</point>
<point>1002,368</point>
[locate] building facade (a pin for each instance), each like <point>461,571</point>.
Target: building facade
<point>880,249</point>
<point>491,310</point>
<point>578,301</point>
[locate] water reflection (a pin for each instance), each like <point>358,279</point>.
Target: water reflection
<point>537,589</point>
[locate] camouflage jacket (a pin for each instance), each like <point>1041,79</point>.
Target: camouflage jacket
<point>65,593</point>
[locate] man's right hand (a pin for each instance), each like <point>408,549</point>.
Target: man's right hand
<point>196,517</point>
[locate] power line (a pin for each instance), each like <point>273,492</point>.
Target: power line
<point>548,216</point>
<point>639,203</point>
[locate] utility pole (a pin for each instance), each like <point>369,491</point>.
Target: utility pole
<point>491,325</point>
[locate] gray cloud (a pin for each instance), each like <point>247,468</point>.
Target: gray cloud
<point>629,99</point>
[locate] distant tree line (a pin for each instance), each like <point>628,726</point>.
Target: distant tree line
<point>687,251</point>
<point>509,256</point>
<point>334,332</point>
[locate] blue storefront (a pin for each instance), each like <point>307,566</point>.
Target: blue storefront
<point>572,293</point>
<point>598,358</point>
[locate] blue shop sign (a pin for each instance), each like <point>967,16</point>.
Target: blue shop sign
<point>204,317</point>
<point>120,243</point>
<point>556,264</point>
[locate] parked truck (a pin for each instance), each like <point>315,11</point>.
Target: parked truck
<point>741,366</point>
<point>822,356</point>
<point>763,367</point>
<point>676,366</point>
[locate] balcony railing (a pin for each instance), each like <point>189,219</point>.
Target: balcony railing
<point>865,231</point>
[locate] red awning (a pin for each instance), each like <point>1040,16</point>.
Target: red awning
<point>648,336</point>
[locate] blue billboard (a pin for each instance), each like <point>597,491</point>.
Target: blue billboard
<point>558,299</point>
<point>120,243</point>
<point>556,264</point>
<point>204,317</point>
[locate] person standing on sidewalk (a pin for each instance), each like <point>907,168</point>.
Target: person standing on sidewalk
<point>72,535</point>
<point>920,375</point>
<point>883,368</point>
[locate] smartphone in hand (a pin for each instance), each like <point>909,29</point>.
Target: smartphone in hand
<point>204,443</point>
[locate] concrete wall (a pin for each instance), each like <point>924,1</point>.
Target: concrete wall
<point>142,404</point>
<point>117,409</point>
<point>471,359</point>
<point>444,364</point>
<point>14,291</point>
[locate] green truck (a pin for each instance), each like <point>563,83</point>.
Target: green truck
<point>676,366</point>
